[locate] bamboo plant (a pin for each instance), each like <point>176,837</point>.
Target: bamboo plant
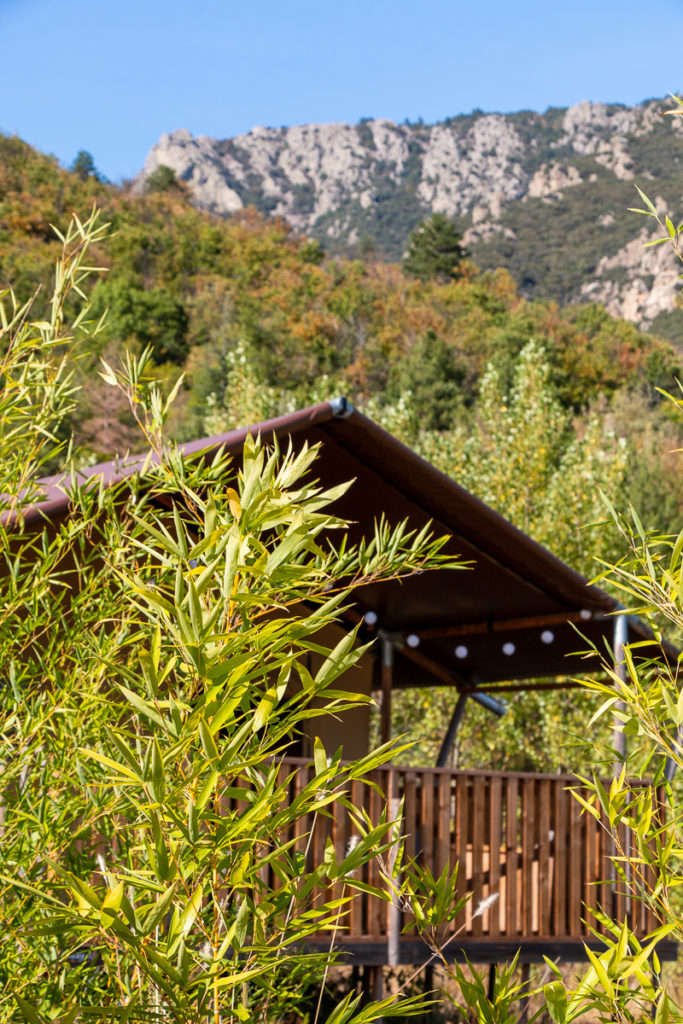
<point>154,653</point>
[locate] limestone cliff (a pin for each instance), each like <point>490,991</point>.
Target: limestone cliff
<point>545,195</point>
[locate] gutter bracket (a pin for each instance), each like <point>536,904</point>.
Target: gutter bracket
<point>341,407</point>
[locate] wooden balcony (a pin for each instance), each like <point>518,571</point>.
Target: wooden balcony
<point>520,835</point>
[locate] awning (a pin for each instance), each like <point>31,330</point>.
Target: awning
<point>518,614</point>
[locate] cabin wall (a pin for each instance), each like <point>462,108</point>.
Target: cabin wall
<point>349,730</point>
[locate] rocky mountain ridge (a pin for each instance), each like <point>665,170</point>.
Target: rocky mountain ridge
<point>545,195</point>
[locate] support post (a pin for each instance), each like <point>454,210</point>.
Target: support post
<point>492,982</point>
<point>387,684</point>
<point>620,641</point>
<point>375,980</point>
<point>429,978</point>
<point>451,731</point>
<point>524,1011</point>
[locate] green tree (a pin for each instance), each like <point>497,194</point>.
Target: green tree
<point>433,376</point>
<point>161,179</point>
<point>520,451</point>
<point>150,316</point>
<point>84,166</point>
<point>434,249</point>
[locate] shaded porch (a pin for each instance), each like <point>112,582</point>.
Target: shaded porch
<point>519,618</point>
<point>520,835</point>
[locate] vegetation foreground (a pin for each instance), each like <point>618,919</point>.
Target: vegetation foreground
<point>153,647</point>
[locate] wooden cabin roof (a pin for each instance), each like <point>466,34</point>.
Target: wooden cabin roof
<point>513,616</point>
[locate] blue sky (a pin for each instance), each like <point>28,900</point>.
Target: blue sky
<point>112,77</point>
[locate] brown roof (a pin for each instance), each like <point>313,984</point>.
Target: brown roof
<point>512,616</point>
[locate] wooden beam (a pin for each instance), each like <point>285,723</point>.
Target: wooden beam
<point>570,684</point>
<point>503,625</point>
<point>433,667</point>
<point>482,950</point>
<point>466,686</point>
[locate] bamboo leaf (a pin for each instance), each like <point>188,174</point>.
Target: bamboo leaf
<point>158,911</point>
<point>319,756</point>
<point>189,914</point>
<point>29,1011</point>
<point>145,708</point>
<point>110,763</point>
<point>207,740</point>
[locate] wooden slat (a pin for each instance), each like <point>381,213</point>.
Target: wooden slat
<point>443,829</point>
<point>339,837</point>
<point>411,814</point>
<point>611,898</point>
<point>461,841</point>
<point>376,907</point>
<point>320,834</point>
<point>355,920</point>
<point>619,898</point>
<point>545,877</point>
<point>495,840</point>
<point>394,921</point>
<point>606,896</point>
<point>649,918</point>
<point>301,825</point>
<point>512,923</point>
<point>411,819</point>
<point>647,914</point>
<point>283,772</point>
<point>660,812</point>
<point>529,892</point>
<point>589,863</point>
<point>478,833</point>
<point>427,819</point>
<point>575,868</point>
<point>560,847</point>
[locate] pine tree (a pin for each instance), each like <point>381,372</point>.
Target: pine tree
<point>434,249</point>
<point>84,166</point>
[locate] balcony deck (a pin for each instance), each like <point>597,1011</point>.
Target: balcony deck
<point>520,835</point>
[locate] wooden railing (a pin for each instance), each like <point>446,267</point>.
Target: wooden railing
<point>520,835</point>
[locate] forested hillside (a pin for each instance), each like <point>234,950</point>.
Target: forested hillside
<point>541,194</point>
<point>534,407</point>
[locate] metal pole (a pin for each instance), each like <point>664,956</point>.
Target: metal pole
<point>619,744</point>
<point>620,641</point>
<point>394,912</point>
<point>670,764</point>
<point>451,731</point>
<point>387,682</point>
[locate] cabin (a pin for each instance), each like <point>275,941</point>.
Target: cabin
<point>509,623</point>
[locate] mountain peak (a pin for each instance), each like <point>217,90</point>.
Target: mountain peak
<point>522,187</point>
